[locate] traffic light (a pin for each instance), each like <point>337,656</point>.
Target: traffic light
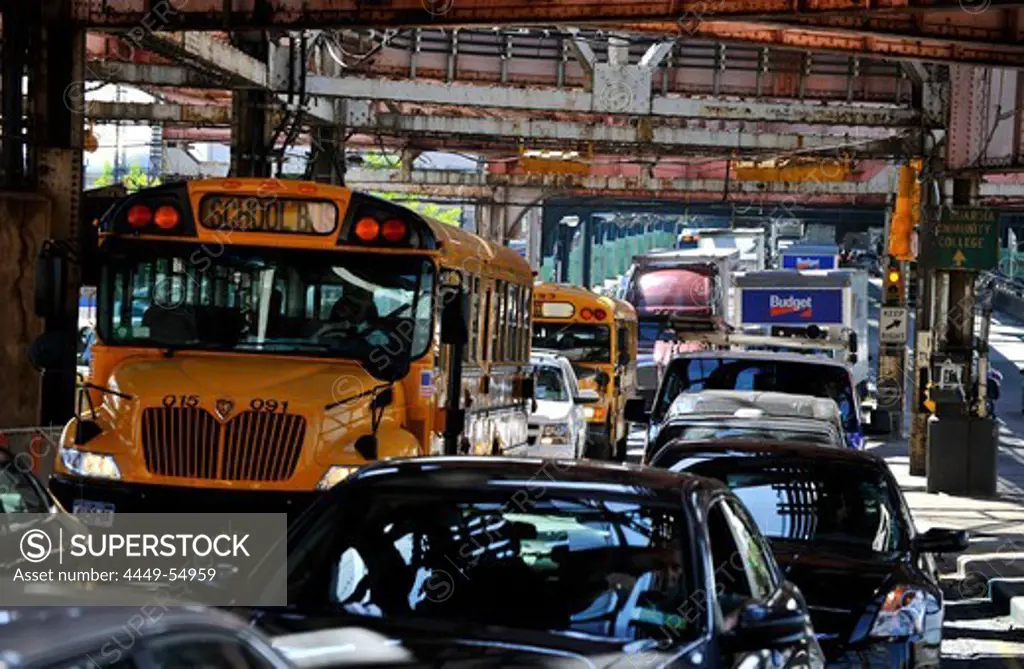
<point>906,212</point>
<point>893,284</point>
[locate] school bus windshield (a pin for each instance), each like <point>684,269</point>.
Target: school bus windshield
<point>262,300</point>
<point>576,341</point>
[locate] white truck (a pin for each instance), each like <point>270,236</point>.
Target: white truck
<point>749,241</point>
<point>828,306</point>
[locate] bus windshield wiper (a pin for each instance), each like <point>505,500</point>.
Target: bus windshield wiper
<point>103,389</point>
<point>371,391</point>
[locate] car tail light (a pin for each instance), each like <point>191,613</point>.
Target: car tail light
<point>166,217</point>
<point>139,216</point>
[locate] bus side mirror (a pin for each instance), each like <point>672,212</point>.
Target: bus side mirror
<point>51,274</point>
<point>390,361</point>
<point>454,325</point>
<point>853,343</point>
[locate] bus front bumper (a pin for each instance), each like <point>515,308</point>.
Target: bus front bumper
<point>77,494</point>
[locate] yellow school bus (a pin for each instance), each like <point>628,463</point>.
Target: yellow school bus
<point>598,334</point>
<point>259,339</point>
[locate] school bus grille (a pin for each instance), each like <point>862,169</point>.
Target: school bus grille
<point>191,443</point>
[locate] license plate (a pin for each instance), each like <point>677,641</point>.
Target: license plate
<point>99,514</point>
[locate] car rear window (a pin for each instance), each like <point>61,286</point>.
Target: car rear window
<point>686,375</point>
<point>848,504</point>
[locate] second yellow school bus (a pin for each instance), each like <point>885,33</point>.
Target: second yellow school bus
<point>264,338</point>
<point>598,334</point>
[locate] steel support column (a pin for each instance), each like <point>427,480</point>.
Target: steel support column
<point>250,123</point>
<point>51,158</point>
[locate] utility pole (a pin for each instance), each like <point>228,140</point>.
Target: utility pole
<point>894,316</point>
<point>923,332</point>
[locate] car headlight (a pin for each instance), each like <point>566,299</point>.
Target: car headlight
<point>86,463</point>
<point>554,434</point>
<point>902,613</point>
<point>335,475</point>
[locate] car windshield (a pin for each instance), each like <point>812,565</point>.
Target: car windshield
<point>708,432</point>
<point>686,375</point>
<point>262,300</point>
<point>549,385</point>
<point>848,504</point>
<point>576,341</point>
<point>597,567</point>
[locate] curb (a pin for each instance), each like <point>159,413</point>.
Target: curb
<point>1004,592</point>
<point>1017,612</point>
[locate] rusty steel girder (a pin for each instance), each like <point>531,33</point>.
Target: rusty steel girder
<point>879,38</point>
<point>250,14</point>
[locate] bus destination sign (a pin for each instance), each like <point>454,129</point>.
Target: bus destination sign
<point>279,215</point>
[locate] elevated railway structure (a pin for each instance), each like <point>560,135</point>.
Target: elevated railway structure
<point>670,102</point>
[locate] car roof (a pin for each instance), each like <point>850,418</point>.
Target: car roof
<point>738,402</point>
<point>55,630</point>
<point>774,450</point>
<point>797,423</point>
<point>574,477</point>
<point>779,356</point>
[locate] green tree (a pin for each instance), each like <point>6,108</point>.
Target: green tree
<point>451,215</point>
<point>137,179</point>
<point>106,177</point>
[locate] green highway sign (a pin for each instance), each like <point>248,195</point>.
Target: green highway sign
<point>967,238</point>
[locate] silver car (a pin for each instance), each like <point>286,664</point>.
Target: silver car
<point>558,426</point>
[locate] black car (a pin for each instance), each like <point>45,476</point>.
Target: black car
<point>841,530</point>
<point>62,631</point>
<point>529,562</point>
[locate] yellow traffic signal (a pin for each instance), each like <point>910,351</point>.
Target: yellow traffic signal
<point>906,213</point>
<point>894,285</point>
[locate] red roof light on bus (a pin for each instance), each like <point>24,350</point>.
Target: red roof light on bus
<point>586,314</point>
<point>139,216</point>
<point>367,229</point>
<point>166,217</point>
<point>600,314</point>
<point>393,230</point>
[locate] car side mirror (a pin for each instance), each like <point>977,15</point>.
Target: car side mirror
<point>587,396</point>
<point>938,540</point>
<point>636,410</point>
<point>760,627</point>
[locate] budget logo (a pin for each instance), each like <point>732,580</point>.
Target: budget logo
<point>787,306</point>
<point>808,263</point>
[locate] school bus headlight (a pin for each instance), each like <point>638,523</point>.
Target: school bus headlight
<point>334,476</point>
<point>85,463</point>
<point>595,414</point>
